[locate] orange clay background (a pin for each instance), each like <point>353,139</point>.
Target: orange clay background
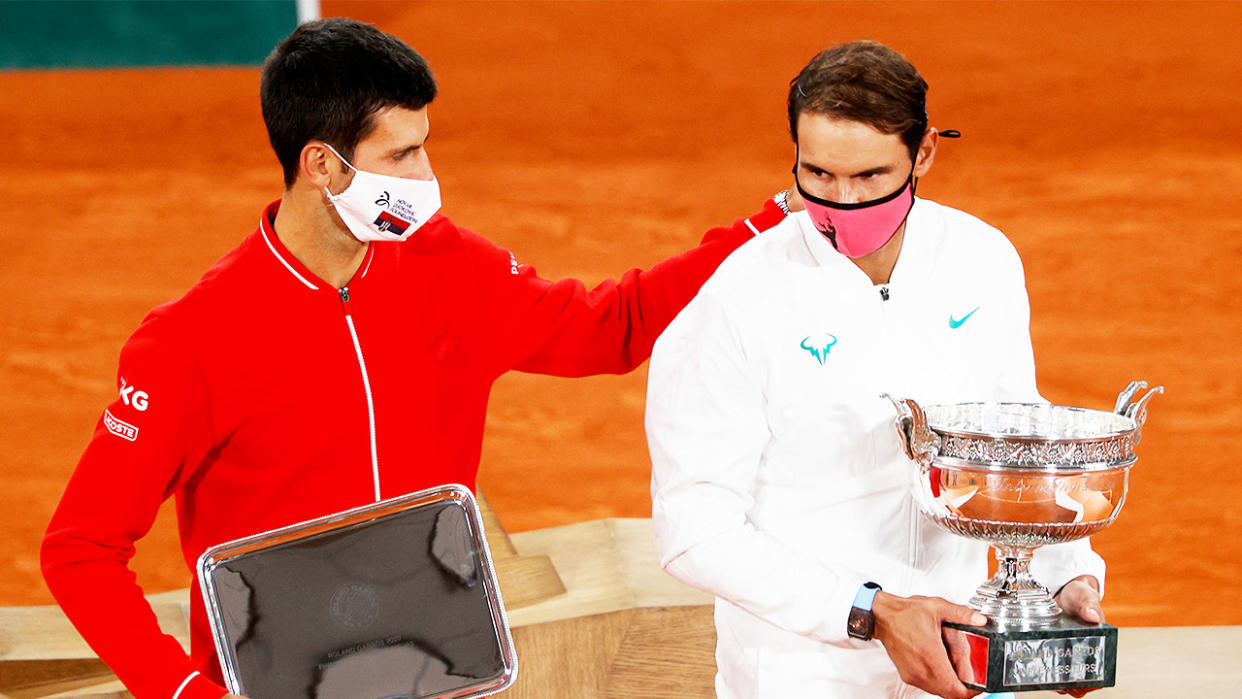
<point>1104,138</point>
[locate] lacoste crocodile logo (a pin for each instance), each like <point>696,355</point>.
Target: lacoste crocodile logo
<point>819,345</point>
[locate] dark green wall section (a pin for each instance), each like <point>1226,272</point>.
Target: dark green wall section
<point>111,33</point>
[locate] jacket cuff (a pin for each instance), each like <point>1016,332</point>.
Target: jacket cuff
<point>769,216</point>
<point>197,686</point>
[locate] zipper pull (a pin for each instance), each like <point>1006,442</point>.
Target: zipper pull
<point>344,293</point>
<point>884,293</point>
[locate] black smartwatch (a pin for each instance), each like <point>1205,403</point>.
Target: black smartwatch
<point>861,624</point>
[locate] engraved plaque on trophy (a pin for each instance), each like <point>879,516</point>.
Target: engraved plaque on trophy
<point>1020,476</point>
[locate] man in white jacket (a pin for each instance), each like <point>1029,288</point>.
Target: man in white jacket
<point>778,483</point>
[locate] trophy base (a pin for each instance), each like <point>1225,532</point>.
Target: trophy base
<point>1066,654</point>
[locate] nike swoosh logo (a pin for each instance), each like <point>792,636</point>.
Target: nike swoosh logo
<point>955,323</point>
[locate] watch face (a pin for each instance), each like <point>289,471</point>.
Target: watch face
<point>861,624</point>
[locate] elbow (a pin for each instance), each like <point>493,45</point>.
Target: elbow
<point>58,551</point>
<point>52,558</point>
<point>678,560</point>
<point>65,550</point>
<point>664,547</point>
<point>669,552</point>
<point>676,566</point>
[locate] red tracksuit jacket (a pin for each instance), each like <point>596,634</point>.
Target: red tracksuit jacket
<point>265,397</point>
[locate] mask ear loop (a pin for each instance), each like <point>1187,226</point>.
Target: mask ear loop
<point>338,155</point>
<point>334,197</point>
<point>947,133</point>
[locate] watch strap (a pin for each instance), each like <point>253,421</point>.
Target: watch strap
<point>866,596</point>
<point>861,621</point>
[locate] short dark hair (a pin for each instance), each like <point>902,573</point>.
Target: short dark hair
<point>328,79</point>
<point>863,81</point>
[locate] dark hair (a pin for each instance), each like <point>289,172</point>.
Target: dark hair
<point>328,79</point>
<point>863,81</point>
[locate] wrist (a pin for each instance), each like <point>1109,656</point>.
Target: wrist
<point>1088,580</point>
<point>882,609</point>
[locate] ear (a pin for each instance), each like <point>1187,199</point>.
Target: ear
<point>927,152</point>
<point>317,165</point>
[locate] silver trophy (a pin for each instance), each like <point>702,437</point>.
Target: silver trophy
<point>1019,476</point>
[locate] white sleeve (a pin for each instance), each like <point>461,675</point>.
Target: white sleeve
<point>706,431</point>
<point>1051,565</point>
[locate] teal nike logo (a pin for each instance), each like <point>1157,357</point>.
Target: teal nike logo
<point>819,345</point>
<point>955,323</point>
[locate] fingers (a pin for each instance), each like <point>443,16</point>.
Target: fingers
<point>959,653</point>
<point>1081,599</point>
<point>959,614</point>
<point>1092,613</point>
<point>939,677</point>
<point>957,649</point>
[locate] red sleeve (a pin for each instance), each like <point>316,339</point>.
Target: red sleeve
<point>144,446</point>
<point>564,329</point>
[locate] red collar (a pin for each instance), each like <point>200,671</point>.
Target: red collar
<point>304,276</point>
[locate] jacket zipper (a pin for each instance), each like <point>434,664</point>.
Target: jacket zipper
<point>912,515</point>
<point>366,384</point>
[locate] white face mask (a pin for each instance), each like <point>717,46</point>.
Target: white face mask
<point>381,207</point>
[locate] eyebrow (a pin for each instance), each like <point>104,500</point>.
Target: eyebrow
<point>881,170</point>
<point>410,149</point>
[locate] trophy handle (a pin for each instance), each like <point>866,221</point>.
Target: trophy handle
<point>919,443</point>
<point>1123,398</point>
<point>1136,410</point>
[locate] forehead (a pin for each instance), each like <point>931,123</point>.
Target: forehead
<point>396,127</point>
<point>832,142</point>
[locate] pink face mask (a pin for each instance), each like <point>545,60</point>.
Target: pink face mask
<point>857,230</point>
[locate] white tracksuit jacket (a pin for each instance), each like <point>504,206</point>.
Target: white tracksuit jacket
<point>778,482</point>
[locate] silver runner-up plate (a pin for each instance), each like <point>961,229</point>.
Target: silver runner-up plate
<point>395,600</point>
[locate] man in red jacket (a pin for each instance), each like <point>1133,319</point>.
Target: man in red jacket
<point>341,354</point>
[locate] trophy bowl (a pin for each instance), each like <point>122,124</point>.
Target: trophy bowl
<point>1020,476</point>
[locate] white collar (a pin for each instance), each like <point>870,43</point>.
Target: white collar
<point>828,257</point>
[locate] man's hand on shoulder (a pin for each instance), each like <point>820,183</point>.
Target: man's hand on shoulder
<point>910,630</point>
<point>1081,598</point>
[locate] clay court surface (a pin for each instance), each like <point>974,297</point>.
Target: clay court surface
<point>1103,138</point>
